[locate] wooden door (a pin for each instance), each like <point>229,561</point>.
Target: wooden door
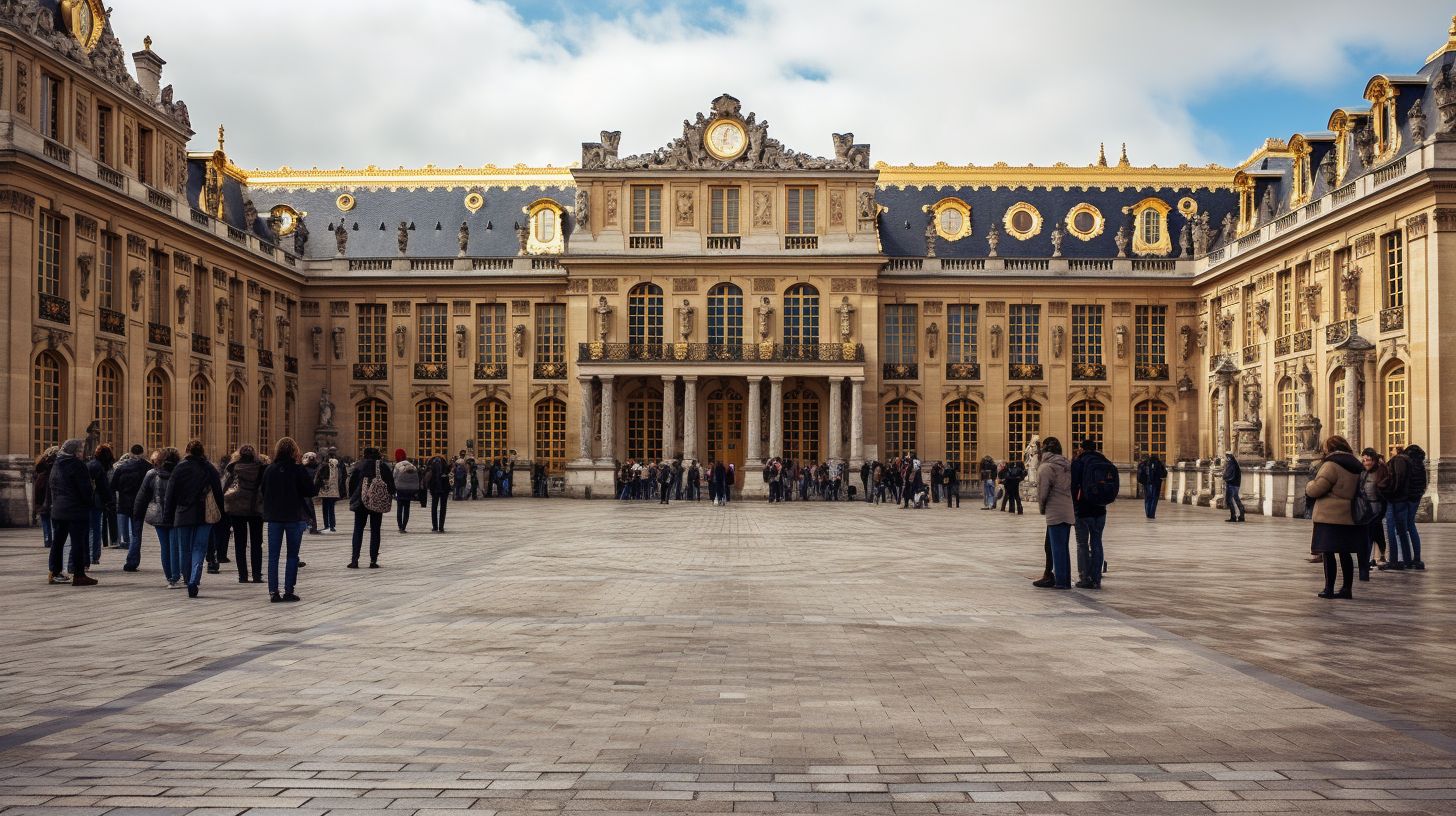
<point>725,429</point>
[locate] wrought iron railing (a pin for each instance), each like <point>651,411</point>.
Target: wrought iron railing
<point>1392,319</point>
<point>900,371</point>
<point>159,334</point>
<point>371,371</point>
<point>1089,371</point>
<point>201,344</point>
<point>265,358</point>
<point>54,308</point>
<point>720,353</point>
<point>490,371</point>
<point>237,353</point>
<point>1150,371</point>
<point>549,371</point>
<point>432,371</point>
<point>112,321</point>
<point>963,371</point>
<point>1304,340</point>
<point>1026,371</point>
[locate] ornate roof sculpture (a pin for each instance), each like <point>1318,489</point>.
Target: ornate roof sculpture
<point>724,140</point>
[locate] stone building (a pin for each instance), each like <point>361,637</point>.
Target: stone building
<point>722,297</point>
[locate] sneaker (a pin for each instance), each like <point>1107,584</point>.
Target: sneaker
<point>175,585</point>
<point>56,578</point>
<point>373,565</point>
<point>84,580</point>
<point>1085,584</point>
<point>192,590</point>
<point>290,597</point>
<point>1044,583</point>
<point>130,569</point>
<point>275,598</point>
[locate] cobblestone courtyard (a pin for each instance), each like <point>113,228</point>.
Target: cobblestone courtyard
<point>590,656</point>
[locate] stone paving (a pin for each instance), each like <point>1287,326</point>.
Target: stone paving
<point>555,656</point>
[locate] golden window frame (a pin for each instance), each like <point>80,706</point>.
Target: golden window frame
<point>951,204</point>
<point>1098,222</point>
<point>1022,207</point>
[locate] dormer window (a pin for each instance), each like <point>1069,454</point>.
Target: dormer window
<point>1302,185</point>
<point>545,234</point>
<point>1150,222</point>
<point>1382,96</point>
<point>952,218</point>
<point>1247,214</point>
<point>1342,124</point>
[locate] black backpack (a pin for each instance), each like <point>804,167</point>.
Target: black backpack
<point>1100,482</point>
<point>1368,506</point>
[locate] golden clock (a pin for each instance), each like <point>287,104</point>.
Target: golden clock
<point>85,19</point>
<point>725,140</point>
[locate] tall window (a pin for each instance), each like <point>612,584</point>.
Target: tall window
<point>1023,421</point>
<point>900,334</point>
<point>371,332</point>
<point>723,206</point>
<point>1024,344</point>
<point>103,141</point>
<point>433,330</point>
<point>801,426</point>
<point>1392,254</point>
<point>157,297</point>
<point>144,155</point>
<point>491,426</point>
<point>551,333</point>
<point>197,408</point>
<point>1150,338</point>
<point>725,315</point>
<point>108,402</point>
<point>106,273</point>
<point>1397,423</point>
<point>1086,336</point>
<point>961,324</point>
<point>545,226</point>
<point>432,428</point>
<point>647,210</point>
<point>157,406</point>
<point>1251,338</point>
<point>644,425</point>
<point>799,219</point>
<point>801,315</point>
<point>51,110</point>
<point>551,434</point>
<point>1088,420</point>
<point>900,427</point>
<point>962,434</point>
<point>236,306</point>
<point>644,314</point>
<point>235,398</point>
<point>1337,404</point>
<point>490,333</point>
<point>1341,302</point>
<point>372,422</point>
<point>45,402</point>
<point>201,303</point>
<point>1150,428</point>
<point>265,418</point>
<point>1150,226</point>
<point>1288,415</point>
<point>49,255</point>
<point>1286,302</point>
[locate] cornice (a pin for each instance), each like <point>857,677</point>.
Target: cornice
<point>1270,149</point>
<point>1212,177</point>
<point>429,176</point>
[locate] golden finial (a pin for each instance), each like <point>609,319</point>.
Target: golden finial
<point>219,138</point>
<point>147,42</point>
<point>1452,30</point>
<point>1122,161</point>
<point>1101,154</point>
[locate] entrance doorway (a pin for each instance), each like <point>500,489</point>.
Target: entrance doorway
<point>725,430</point>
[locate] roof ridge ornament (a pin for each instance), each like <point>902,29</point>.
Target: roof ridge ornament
<point>1101,154</point>
<point>1122,161</point>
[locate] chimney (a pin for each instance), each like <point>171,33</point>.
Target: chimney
<point>149,70</point>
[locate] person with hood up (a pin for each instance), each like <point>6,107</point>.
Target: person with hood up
<point>329,480</point>
<point>1233,479</point>
<point>151,499</point>
<point>1054,496</point>
<point>242,496</point>
<point>437,482</point>
<point>1408,470</point>
<point>126,480</point>
<point>72,499</point>
<point>369,502</point>
<point>193,507</point>
<point>286,490</point>
<point>406,488</point>
<point>1336,534</point>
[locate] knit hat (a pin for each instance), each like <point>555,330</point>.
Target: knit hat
<point>399,455</point>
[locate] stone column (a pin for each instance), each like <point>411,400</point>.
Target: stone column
<point>669,416</point>
<point>775,416</point>
<point>1352,364</point>
<point>836,401</point>
<point>755,450</point>
<point>609,404</point>
<point>1221,443</point>
<point>690,418</point>
<point>584,448</point>
<point>856,420</point>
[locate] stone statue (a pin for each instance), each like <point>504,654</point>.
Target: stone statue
<point>1120,239</point>
<point>1202,336</point>
<point>285,333</point>
<point>1365,144</point>
<point>338,342</point>
<point>1226,330</point>
<point>1057,236</point>
<point>604,318</point>
<point>341,239</point>
<point>582,211</point>
<point>684,204</point>
<point>402,237</point>
<point>1306,389</point>
<point>523,235</point>
<point>1350,288</point>
<point>518,339</point>
<point>996,341</point>
<point>1253,401</point>
<point>315,339</point>
<point>1185,239</point>
<point>1445,90</point>
<point>611,207</point>
<point>1059,336</point>
<point>1200,234</point>
<point>183,295</point>
<point>685,314</point>
<point>255,326</point>
<point>930,237</point>
<point>400,333</point>
<point>932,339</point>
<point>1328,170</point>
<point>463,237</point>
<point>764,312</point>
<point>326,409</point>
<point>1031,458</point>
<point>460,342</point>
<point>1230,232</point>
<point>1311,295</point>
<point>1185,338</point>
<point>846,315</point>
<point>1121,342</point>
<point>993,239</point>
<point>250,214</point>
<point>1261,315</point>
<point>1267,205</point>
<point>1417,119</point>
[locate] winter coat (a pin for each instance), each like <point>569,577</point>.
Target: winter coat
<point>949,476</point>
<point>154,486</point>
<point>71,496</point>
<point>43,487</point>
<point>1233,475</point>
<point>242,491</point>
<point>286,490</point>
<point>1085,509</point>
<point>1412,476</point>
<point>126,480</point>
<point>100,476</point>
<point>437,478</point>
<point>329,480</point>
<point>365,469</point>
<point>1334,487</point>
<point>406,477</point>
<point>186,504</point>
<point>1054,489</point>
<point>988,471</point>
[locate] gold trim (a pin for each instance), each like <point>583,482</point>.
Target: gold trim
<point>1270,149</point>
<point>910,176</point>
<point>1164,244</point>
<point>474,201</point>
<point>1383,120</point>
<point>429,176</point>
<point>534,244</point>
<point>708,139</point>
<point>957,205</point>
<point>1187,206</point>
<point>1449,46</point>
<point>1301,185</point>
<point>287,218</point>
<point>71,16</point>
<point>345,202</point>
<point>1019,207</point>
<point>1098,222</point>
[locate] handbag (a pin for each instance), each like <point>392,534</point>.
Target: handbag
<point>211,513</point>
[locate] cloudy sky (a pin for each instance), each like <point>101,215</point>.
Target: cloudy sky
<point>468,82</point>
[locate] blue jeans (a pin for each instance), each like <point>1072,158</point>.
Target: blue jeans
<point>1058,536</point>
<point>98,520</point>
<point>988,486</point>
<point>277,530</point>
<point>1232,501</point>
<point>1402,542</point>
<point>1152,494</point>
<point>179,552</point>
<point>170,569</point>
<point>130,530</point>
<point>330,520</point>
<point>1089,547</point>
<point>192,542</point>
<point>46,533</point>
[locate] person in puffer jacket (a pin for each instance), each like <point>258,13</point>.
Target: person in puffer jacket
<point>407,488</point>
<point>1054,496</point>
<point>126,480</point>
<point>242,499</point>
<point>1408,469</point>
<point>72,500</point>
<point>150,500</point>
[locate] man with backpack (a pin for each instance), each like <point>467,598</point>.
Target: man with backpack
<point>407,488</point>
<point>1408,477</point>
<point>1094,486</point>
<point>371,490</point>
<point>1150,476</point>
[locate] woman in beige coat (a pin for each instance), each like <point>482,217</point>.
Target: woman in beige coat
<point>1054,495</point>
<point>1333,490</point>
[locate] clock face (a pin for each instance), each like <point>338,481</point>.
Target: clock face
<point>725,139</point>
<point>85,19</point>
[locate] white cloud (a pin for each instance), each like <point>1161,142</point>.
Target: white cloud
<point>448,82</point>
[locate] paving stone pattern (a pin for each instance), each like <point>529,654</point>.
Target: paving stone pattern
<point>550,656</point>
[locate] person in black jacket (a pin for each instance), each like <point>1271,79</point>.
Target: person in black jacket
<point>1408,471</point>
<point>1233,477</point>
<point>188,512</point>
<point>362,473</point>
<point>1012,476</point>
<point>42,511</point>
<point>1150,476</point>
<point>72,500</point>
<point>287,489</point>
<point>1091,520</point>
<point>126,480</point>
<point>437,483</point>
<point>951,483</point>
<point>98,470</point>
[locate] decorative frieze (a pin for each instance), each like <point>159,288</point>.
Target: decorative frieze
<point>995,308</point>
<point>1121,308</point>
<point>577,286</point>
<point>308,308</point>
<point>869,285</point>
<point>400,308</point>
<point>1185,308</point>
<point>1322,260</point>
<point>763,285</point>
<point>460,308</point>
<point>1365,245</point>
<point>338,308</point>
<point>936,307</point>
<point>842,285</point>
<point>17,202</point>
<point>85,227</point>
<point>1055,307</point>
<point>608,285</point>
<point>684,285</point>
<point>520,307</point>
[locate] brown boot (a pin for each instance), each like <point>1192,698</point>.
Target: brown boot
<point>83,580</point>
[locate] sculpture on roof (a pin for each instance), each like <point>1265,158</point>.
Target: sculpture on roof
<point>930,237</point>
<point>1267,205</point>
<point>402,237</point>
<point>1365,143</point>
<point>341,238</point>
<point>1445,91</point>
<point>1417,118</point>
<point>523,235</point>
<point>463,237</point>
<point>582,211</point>
<point>1200,234</point>
<point>1121,240</point>
<point>1328,170</point>
<point>1185,238</point>
<point>1057,236</point>
<point>1229,230</point>
<point>300,238</point>
<point>250,214</point>
<point>993,239</point>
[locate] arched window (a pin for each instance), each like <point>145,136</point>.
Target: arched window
<point>1023,421</point>
<point>1088,419</point>
<point>198,397</point>
<point>644,425</point>
<point>265,419</point>
<point>644,315</point>
<point>1150,428</point>
<point>158,406</point>
<point>1288,415</point>
<point>801,315</point>
<point>1396,419</point>
<point>1150,234</point>
<point>432,428</point>
<point>491,425</point>
<point>108,403</point>
<point>235,397</point>
<point>372,424</point>
<point>900,427</point>
<point>551,434</point>
<point>801,426</point>
<point>725,315</point>
<point>46,402</point>
<point>962,432</point>
<point>1150,226</point>
<point>1338,415</point>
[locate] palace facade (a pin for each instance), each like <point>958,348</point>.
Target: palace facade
<point>722,297</point>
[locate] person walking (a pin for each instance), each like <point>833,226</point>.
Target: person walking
<point>194,504</point>
<point>149,506</point>
<point>665,479</point>
<point>1054,496</point>
<point>329,480</point>
<point>1233,478</point>
<point>987,475</point>
<point>103,501</point>
<point>311,466</point>
<point>406,488</point>
<point>1336,535</point>
<point>126,481</point>
<point>1408,471</point>
<point>1151,474</point>
<point>1094,486</point>
<point>371,488</point>
<point>951,481</point>
<point>72,498</point>
<point>42,483</point>
<point>286,490</point>
<point>460,472</point>
<point>242,500</point>
<point>437,482</point>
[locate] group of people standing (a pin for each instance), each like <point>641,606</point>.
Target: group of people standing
<point>665,481</point>
<point>906,482</point>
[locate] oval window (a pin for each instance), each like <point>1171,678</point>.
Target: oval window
<point>1021,221</point>
<point>951,221</point>
<point>1083,222</point>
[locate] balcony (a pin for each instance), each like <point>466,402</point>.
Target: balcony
<point>265,358</point>
<point>1150,371</point>
<point>720,353</point>
<point>112,321</point>
<point>236,353</point>
<point>371,371</point>
<point>57,152</point>
<point>1089,371</point>
<point>111,177</point>
<point>1282,345</point>
<point>159,334</point>
<point>900,371</point>
<point>1339,332</point>
<point>1026,371</point>
<point>549,371</point>
<point>55,309</point>
<point>1252,354</point>
<point>160,200</point>
<point>290,364</point>
<point>237,235</point>
<point>1392,319</point>
<point>201,344</point>
<point>1303,341</point>
<point>490,371</point>
<point>201,218</point>
<point>793,242</point>
<point>729,242</point>
<point>644,242</point>
<point>432,371</point>
<point>963,371</point>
